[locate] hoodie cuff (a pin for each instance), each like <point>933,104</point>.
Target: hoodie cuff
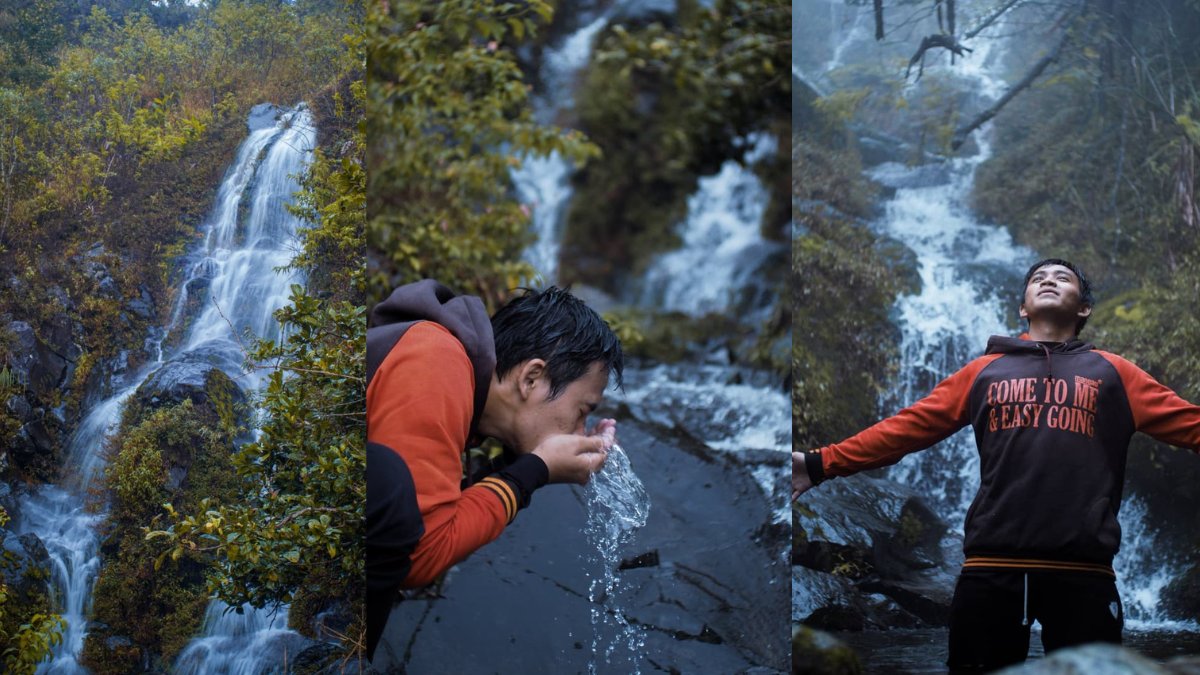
<point>525,475</point>
<point>816,469</point>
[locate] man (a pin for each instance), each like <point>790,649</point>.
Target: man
<point>1052,418</point>
<point>441,375</point>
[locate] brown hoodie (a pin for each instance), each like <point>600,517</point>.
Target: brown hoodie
<point>1052,423</point>
<point>430,359</point>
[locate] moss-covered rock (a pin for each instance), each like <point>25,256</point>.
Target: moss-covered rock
<point>818,653</point>
<point>149,605</point>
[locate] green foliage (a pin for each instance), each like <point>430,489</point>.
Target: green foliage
<point>296,528</point>
<point>176,454</point>
<point>25,642</point>
<point>844,282</point>
<point>333,193</point>
<point>667,105</point>
<point>448,118</point>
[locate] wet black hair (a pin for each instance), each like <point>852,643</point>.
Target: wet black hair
<point>557,327</point>
<point>1085,286</point>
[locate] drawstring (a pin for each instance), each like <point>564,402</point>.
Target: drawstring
<point>1025,609</point>
<point>1049,370</point>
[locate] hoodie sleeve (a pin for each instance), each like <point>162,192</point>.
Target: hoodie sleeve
<point>1157,410</point>
<point>420,404</point>
<point>944,411</point>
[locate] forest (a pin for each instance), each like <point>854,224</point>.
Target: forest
<point>118,122</point>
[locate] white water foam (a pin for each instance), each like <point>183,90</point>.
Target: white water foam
<point>723,247</point>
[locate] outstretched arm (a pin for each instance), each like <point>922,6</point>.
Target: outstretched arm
<point>1157,410</point>
<point>926,422</point>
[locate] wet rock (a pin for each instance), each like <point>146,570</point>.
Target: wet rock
<point>186,379</point>
<point>35,364</point>
<point>645,12</point>
<point>26,569</point>
<point>1181,598</point>
<point>818,653</point>
<point>879,538</point>
<point>143,305</point>
<point>263,116</point>
<point>713,604</point>
<point>324,658</point>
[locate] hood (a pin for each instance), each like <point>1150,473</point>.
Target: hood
<point>427,300</point>
<point>1000,344</point>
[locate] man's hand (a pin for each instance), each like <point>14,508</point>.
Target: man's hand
<point>800,480</point>
<point>573,459</point>
<point>606,429</point>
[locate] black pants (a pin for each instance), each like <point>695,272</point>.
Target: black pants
<point>990,615</point>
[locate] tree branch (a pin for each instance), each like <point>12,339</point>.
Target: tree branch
<point>878,20</point>
<point>990,20</point>
<point>960,136</point>
<point>929,42</point>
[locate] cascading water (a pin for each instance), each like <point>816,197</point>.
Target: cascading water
<point>542,182</point>
<point>723,248</point>
<point>238,264</point>
<point>240,258</point>
<point>968,271</point>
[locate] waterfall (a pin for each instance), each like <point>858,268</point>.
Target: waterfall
<point>542,183</point>
<point>240,257</point>
<point>238,263</point>
<point>970,273</point>
<point>250,643</point>
<point>723,248</point>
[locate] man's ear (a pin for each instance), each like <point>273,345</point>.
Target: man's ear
<point>1021,312</point>
<point>1084,311</point>
<point>528,374</point>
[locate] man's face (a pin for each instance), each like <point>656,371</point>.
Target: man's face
<point>539,416</point>
<point>1054,289</point>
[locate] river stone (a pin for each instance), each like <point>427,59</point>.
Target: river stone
<point>1095,659</point>
<point>817,653</point>
<point>719,590</point>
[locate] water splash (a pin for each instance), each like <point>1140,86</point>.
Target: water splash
<point>617,506</point>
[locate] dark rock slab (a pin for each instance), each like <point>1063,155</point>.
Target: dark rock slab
<point>192,377</point>
<point>716,601</point>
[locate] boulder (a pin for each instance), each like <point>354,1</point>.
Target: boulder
<point>188,378</point>
<point>818,653</point>
<point>35,363</point>
<point>1095,659</point>
<point>1181,598</point>
<point>876,538</point>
